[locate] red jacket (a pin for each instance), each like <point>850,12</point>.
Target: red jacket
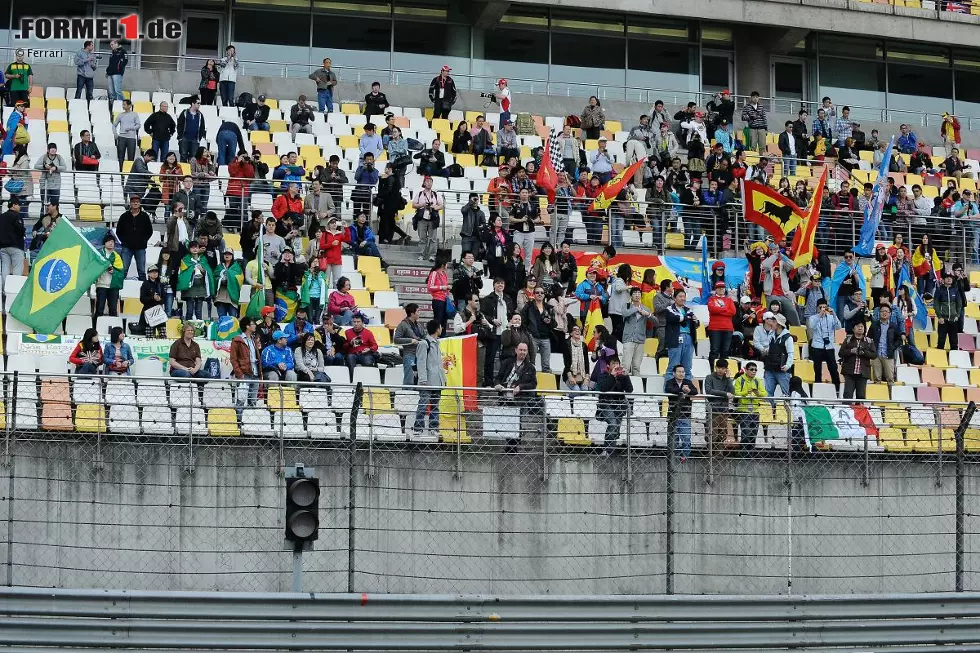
<point>721,310</point>
<point>330,247</point>
<point>338,303</point>
<point>367,341</point>
<point>236,186</point>
<point>285,204</point>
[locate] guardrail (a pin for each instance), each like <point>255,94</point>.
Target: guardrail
<point>48,620</point>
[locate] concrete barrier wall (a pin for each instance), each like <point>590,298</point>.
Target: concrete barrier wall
<point>185,516</point>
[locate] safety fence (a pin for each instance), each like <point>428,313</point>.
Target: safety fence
<point>126,620</point>
<point>157,483</point>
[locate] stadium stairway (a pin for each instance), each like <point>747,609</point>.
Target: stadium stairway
<point>407,275</point>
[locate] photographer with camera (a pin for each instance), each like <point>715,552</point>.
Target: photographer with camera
<point>442,93</point>
<point>855,311</point>
<point>856,355</point>
<point>822,326</point>
<point>503,99</point>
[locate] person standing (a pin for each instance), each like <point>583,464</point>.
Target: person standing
<point>949,308</point>
<point>85,60</point>
<point>438,286</point>
<point>754,116</point>
<point>635,318</point>
<point>748,387</point>
<point>246,364</point>
<point>823,327</point>
<point>326,80</point>
<point>613,386</point>
<point>116,69</point>
<point>778,357</point>
<point>86,154</point>
<point>497,307</point>
<point>160,127</point>
<point>229,76</point>
<point>680,333</point>
<point>442,93</point>
<point>432,378</point>
<point>538,318</point>
<point>681,391</point>
<point>190,130</point>
<point>126,128</point>
<point>208,88</point>
<point>427,205</point>
<point>887,336</point>
<point>856,355</point>
<point>134,229</point>
<point>721,312</point>
<point>12,232</point>
<point>776,268</point>
<point>20,79</point>
<point>474,223</point>
<point>720,390</point>
<point>110,282</point>
<point>51,165</point>
<point>408,335</point>
<point>525,215</point>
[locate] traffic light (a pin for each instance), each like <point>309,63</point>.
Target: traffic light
<point>302,507</point>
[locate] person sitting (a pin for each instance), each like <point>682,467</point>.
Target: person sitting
<point>341,304</point>
<point>517,375</point>
<point>87,355</point>
<point>362,348</point>
<point>118,355</point>
<point>301,117</point>
<point>298,327</point>
<point>309,359</point>
<point>255,115</point>
<point>267,326</point>
<point>362,239</point>
<point>331,341</point>
<point>277,360</point>
<point>185,356</point>
<point>432,161</point>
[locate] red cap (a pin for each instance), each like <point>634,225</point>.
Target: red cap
<point>267,310</point>
<point>501,81</point>
<point>677,285</point>
<point>720,284</point>
<point>446,69</point>
<point>726,92</point>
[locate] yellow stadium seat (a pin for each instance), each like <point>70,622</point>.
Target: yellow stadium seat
<point>223,422</point>
<point>259,137</point>
<point>953,395</point>
<point>310,152</point>
<point>614,126</point>
<point>173,328</point>
<point>877,392</point>
<point>466,160</point>
<point>278,126</point>
<point>930,191</point>
<point>804,370</point>
<point>233,241</point>
<point>975,378</point>
<point>350,109</point>
<point>57,126</point>
<point>471,116</point>
<point>60,104</point>
<point>920,439</point>
<point>281,398</point>
<point>937,358</point>
<point>968,184</point>
<point>442,125</point>
<point>780,416</point>
<point>272,103</point>
<point>452,428</point>
<point>143,107</point>
<point>381,334</point>
<point>377,400</point>
<point>547,381</point>
<point>428,112</point>
<point>377,281</point>
<point>650,347</point>
<point>90,418</point>
<point>368,264</point>
<point>571,432</point>
<point>362,298</point>
<point>270,160</point>
<point>90,213</point>
<point>893,440</point>
<point>896,416</point>
<point>347,142</point>
<point>866,155</point>
<point>310,163</point>
<point>921,340</point>
<point>971,440</point>
<point>132,306</point>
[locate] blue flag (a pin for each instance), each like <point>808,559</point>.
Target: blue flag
<point>872,212</point>
<point>841,271</point>
<point>706,290</point>
<point>921,319</point>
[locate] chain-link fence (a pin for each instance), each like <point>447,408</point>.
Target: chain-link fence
<point>159,484</point>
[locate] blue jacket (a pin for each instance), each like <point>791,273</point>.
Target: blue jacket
<point>360,234</point>
<point>109,355</point>
<point>674,320</point>
<point>272,356</point>
<point>908,143</point>
<point>292,338</point>
<point>584,292</point>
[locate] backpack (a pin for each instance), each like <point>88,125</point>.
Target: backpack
<point>776,356</point>
<point>243,100</point>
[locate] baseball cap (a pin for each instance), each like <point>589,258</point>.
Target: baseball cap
<point>261,98</point>
<point>278,334</point>
<point>768,315</point>
<point>267,310</point>
<point>446,69</point>
<point>229,250</point>
<point>781,320</point>
<point>501,81</point>
<point>720,284</point>
<point>726,92</point>
<point>746,299</point>
<point>602,138</point>
<point>153,268</point>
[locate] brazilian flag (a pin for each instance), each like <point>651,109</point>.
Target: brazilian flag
<point>224,328</point>
<point>118,274</point>
<point>185,276</point>
<point>257,301</point>
<point>286,303</point>
<point>234,280</point>
<point>65,268</point>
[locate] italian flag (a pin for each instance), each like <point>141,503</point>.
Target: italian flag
<point>824,423</point>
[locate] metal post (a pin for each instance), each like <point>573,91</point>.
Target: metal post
<point>459,432</point>
<point>866,467</point>
<point>789,498</point>
<point>711,445</point>
<point>960,498</point>
<point>298,568</point>
<point>282,430</point>
<point>189,466</point>
<point>370,412</point>
<point>669,508</point>
<point>11,416</point>
<point>629,448</point>
<point>544,450</point>
<point>939,431</point>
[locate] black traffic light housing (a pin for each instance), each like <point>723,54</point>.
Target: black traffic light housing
<point>302,508</point>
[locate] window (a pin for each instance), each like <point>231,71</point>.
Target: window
<point>919,88</point>
<point>354,42</point>
<point>669,67</point>
<point>855,83</point>
<point>601,64</point>
<point>421,49</point>
<point>279,38</point>
<point>515,54</point>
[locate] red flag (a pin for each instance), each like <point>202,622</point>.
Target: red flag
<point>801,251</point>
<point>765,207</point>
<point>547,176</point>
<point>609,192</point>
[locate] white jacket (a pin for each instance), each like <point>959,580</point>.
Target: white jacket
<point>695,126</point>
<point>229,69</point>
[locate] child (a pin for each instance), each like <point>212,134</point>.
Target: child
<point>317,283</point>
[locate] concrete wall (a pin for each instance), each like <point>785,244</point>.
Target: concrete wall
<point>166,516</point>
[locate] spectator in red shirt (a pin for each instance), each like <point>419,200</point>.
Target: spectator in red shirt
<point>362,348</point>
<point>331,242</point>
<point>240,170</point>
<point>289,202</point>
<point>342,304</point>
<point>721,310</point>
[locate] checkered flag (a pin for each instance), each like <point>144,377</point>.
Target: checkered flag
<point>555,150</point>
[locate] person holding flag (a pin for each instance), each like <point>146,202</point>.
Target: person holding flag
<point>926,266</point>
<point>228,285</point>
<point>111,281</point>
<point>875,206</point>
<point>680,334</point>
<point>195,282</point>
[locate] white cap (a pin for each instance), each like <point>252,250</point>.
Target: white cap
<point>781,320</point>
<point>768,315</point>
<point>746,299</point>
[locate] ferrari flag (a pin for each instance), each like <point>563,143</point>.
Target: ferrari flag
<point>765,207</point>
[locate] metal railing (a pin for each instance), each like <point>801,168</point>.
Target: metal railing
<point>552,492</point>
<point>49,619</point>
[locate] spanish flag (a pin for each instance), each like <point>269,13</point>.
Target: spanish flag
<point>609,192</point>
<point>765,207</point>
<point>592,319</point>
<point>801,251</point>
<point>459,362</point>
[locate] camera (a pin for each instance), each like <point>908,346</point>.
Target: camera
<point>490,96</point>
